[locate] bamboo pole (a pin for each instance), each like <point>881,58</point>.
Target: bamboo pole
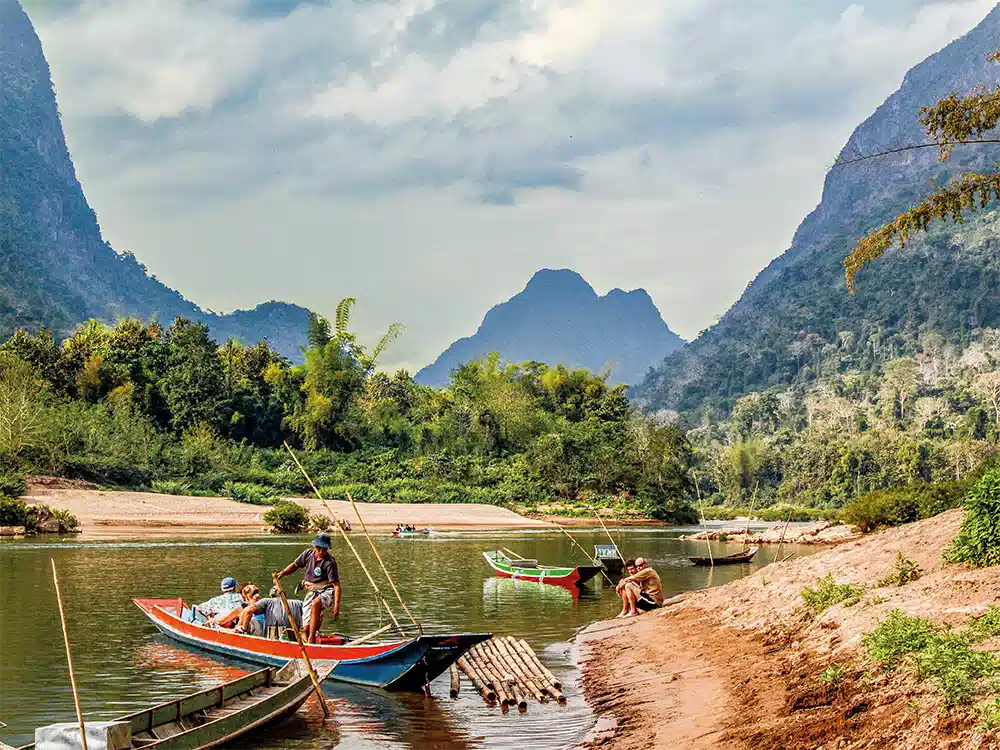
<point>485,667</point>
<point>613,544</point>
<point>532,670</point>
<point>456,683</point>
<point>519,695</point>
<point>541,667</point>
<point>746,531</point>
<point>69,657</point>
<point>336,522</point>
<point>618,532</point>
<point>701,509</point>
<point>522,673</point>
<point>478,682</point>
<point>384,569</point>
<point>369,636</point>
<point>781,541</point>
<point>512,552</point>
<point>589,558</point>
<point>302,647</point>
<point>514,669</point>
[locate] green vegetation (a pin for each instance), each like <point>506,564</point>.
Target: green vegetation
<point>166,408</point>
<point>828,592</point>
<point>13,512</point>
<point>903,572</point>
<point>940,655</point>
<point>832,675</point>
<point>989,716</point>
<point>287,517</point>
<point>894,507</point>
<point>978,540</point>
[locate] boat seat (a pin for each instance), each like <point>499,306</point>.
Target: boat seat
<point>525,563</point>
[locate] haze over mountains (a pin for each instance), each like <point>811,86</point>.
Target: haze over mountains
<point>796,320</point>
<point>55,267</point>
<point>558,318</point>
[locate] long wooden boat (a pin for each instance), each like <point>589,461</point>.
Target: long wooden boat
<point>212,717</point>
<point>530,570</point>
<point>608,556</point>
<point>415,532</point>
<point>736,559</point>
<point>406,664</point>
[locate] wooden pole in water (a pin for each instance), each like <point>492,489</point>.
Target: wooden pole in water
<point>782,539</point>
<point>522,672</point>
<point>302,647</point>
<point>537,662</point>
<point>69,656</point>
<point>336,522</point>
<point>746,531</point>
<point>589,558</point>
<point>701,509</point>
<point>384,569</point>
<point>456,683</point>
<point>482,662</point>
<point>480,683</point>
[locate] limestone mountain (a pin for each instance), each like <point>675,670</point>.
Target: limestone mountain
<point>56,269</point>
<point>796,321</point>
<point>559,319</point>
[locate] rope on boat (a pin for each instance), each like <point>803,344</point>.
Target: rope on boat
<point>507,670</point>
<point>336,522</point>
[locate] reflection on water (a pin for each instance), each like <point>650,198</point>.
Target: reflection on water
<point>124,665</point>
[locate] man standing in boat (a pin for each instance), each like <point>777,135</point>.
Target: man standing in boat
<point>321,582</point>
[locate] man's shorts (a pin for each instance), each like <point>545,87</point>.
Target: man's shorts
<point>645,603</point>
<point>323,599</point>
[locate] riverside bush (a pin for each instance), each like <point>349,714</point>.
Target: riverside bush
<point>900,505</point>
<point>897,636</point>
<point>903,572</point>
<point>956,669</point>
<point>978,540</point>
<point>170,487</point>
<point>828,592</point>
<point>13,512</point>
<point>12,485</point>
<point>287,517</point>
<point>247,492</point>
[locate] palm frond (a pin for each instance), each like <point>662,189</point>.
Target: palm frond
<point>343,316</point>
<point>394,332</point>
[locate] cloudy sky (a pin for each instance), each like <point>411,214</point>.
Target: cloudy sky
<point>427,156</point>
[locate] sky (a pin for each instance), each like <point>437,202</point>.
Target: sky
<point>428,156</point>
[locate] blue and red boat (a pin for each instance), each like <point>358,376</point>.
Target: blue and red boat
<point>406,664</point>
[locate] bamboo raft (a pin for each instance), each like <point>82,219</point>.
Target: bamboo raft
<point>506,670</point>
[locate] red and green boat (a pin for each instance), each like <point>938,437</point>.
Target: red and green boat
<point>523,569</point>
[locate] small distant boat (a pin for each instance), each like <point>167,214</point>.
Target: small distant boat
<point>607,555</point>
<point>220,714</point>
<point>524,569</point>
<point>736,559</point>
<point>411,532</point>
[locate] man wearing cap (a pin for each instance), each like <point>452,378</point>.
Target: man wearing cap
<point>227,601</point>
<point>321,582</point>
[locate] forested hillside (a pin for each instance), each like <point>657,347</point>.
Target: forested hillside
<point>56,270</point>
<point>797,323</point>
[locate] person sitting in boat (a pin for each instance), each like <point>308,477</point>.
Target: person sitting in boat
<point>643,590</point>
<point>620,588</point>
<point>228,600</point>
<point>248,594</point>
<point>321,582</point>
<point>267,617</point>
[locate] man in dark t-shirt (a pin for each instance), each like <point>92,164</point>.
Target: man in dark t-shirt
<point>321,582</point>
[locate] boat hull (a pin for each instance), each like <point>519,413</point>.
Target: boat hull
<point>556,576</point>
<point>738,559</point>
<point>405,665</point>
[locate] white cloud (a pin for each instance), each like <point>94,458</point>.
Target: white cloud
<point>348,148</point>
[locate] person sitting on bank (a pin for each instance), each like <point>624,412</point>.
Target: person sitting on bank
<point>248,594</point>
<point>642,590</point>
<point>267,617</point>
<point>321,582</point>
<point>620,588</point>
<point>228,600</point>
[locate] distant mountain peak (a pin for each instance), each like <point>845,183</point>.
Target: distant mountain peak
<point>558,318</point>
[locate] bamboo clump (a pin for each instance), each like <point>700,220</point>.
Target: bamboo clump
<point>507,670</point>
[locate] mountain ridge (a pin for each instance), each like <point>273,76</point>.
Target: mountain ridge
<point>558,318</point>
<point>796,321</point>
<point>57,269</point>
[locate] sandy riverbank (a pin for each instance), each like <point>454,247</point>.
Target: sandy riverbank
<point>736,667</point>
<point>146,514</point>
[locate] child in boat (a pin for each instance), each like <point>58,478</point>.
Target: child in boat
<point>267,617</point>
<point>641,591</point>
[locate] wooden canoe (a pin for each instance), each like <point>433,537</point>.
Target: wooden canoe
<point>736,559</point>
<point>406,664</point>
<point>220,714</point>
<point>415,532</point>
<point>530,570</point>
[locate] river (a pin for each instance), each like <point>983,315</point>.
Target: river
<point>123,664</point>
